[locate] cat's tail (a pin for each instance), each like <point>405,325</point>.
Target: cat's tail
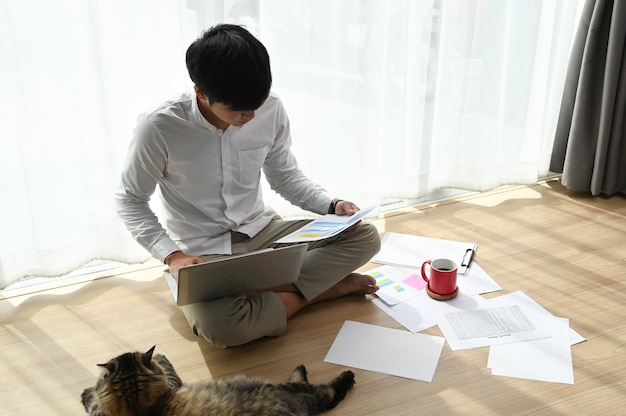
<point>341,386</point>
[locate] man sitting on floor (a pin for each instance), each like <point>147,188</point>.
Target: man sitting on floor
<point>206,150</point>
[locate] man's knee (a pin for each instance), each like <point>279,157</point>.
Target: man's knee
<point>370,239</point>
<point>219,333</point>
<point>235,321</point>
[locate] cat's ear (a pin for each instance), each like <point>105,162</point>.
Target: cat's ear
<point>108,368</point>
<point>147,356</point>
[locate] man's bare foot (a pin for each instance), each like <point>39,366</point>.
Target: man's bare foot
<point>353,284</point>
<point>356,284</point>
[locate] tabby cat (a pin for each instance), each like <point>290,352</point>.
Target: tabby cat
<point>143,384</point>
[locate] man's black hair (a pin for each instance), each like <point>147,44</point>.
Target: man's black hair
<point>231,67</point>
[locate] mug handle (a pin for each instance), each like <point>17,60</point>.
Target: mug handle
<point>424,270</point>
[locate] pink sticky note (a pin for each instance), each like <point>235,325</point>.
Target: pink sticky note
<point>415,280</point>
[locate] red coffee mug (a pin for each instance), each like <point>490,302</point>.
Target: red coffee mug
<point>442,280</point>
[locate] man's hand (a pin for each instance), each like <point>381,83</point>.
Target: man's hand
<point>178,259</point>
<point>346,208</point>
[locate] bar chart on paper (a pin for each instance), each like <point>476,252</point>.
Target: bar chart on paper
<point>388,285</point>
<point>325,227</point>
<point>396,284</point>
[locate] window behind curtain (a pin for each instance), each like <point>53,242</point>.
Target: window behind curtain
<point>387,100</point>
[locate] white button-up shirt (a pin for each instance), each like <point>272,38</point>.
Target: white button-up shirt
<point>209,179</point>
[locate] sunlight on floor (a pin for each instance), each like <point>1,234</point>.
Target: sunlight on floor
<point>76,280</point>
<point>59,290</point>
<point>490,200</point>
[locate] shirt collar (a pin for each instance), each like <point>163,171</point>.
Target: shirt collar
<point>198,117</point>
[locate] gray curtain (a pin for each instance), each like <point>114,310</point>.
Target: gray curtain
<point>590,143</point>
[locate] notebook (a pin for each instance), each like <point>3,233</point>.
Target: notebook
<point>234,275</point>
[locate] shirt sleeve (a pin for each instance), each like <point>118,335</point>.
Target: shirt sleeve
<point>285,177</point>
<point>144,166</point>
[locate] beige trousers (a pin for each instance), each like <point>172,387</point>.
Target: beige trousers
<point>237,320</point>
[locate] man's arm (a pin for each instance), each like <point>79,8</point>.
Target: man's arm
<point>284,175</point>
<point>144,166</point>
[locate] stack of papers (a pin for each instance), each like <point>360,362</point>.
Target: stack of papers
<point>524,340</point>
<point>548,359</point>
<point>401,284</point>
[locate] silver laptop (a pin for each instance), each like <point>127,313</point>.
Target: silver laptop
<point>234,275</point>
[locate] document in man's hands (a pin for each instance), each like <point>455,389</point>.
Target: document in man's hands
<point>325,226</point>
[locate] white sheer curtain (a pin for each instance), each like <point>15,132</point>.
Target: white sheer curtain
<point>387,99</point>
<point>74,76</point>
<point>400,98</point>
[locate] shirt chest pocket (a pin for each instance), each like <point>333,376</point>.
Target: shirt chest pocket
<point>250,165</point>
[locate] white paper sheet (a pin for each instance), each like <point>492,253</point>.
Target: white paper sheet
<point>477,282</point>
<point>397,284</point>
<point>462,302</point>
<point>520,298</point>
<point>385,350</point>
<point>409,250</point>
<point>326,226</point>
<point>419,313</point>
<point>414,315</point>
<point>545,360</point>
<point>490,326</point>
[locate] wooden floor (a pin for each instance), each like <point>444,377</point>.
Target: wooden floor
<point>565,250</point>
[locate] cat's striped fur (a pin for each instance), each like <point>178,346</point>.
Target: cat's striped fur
<point>142,384</point>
